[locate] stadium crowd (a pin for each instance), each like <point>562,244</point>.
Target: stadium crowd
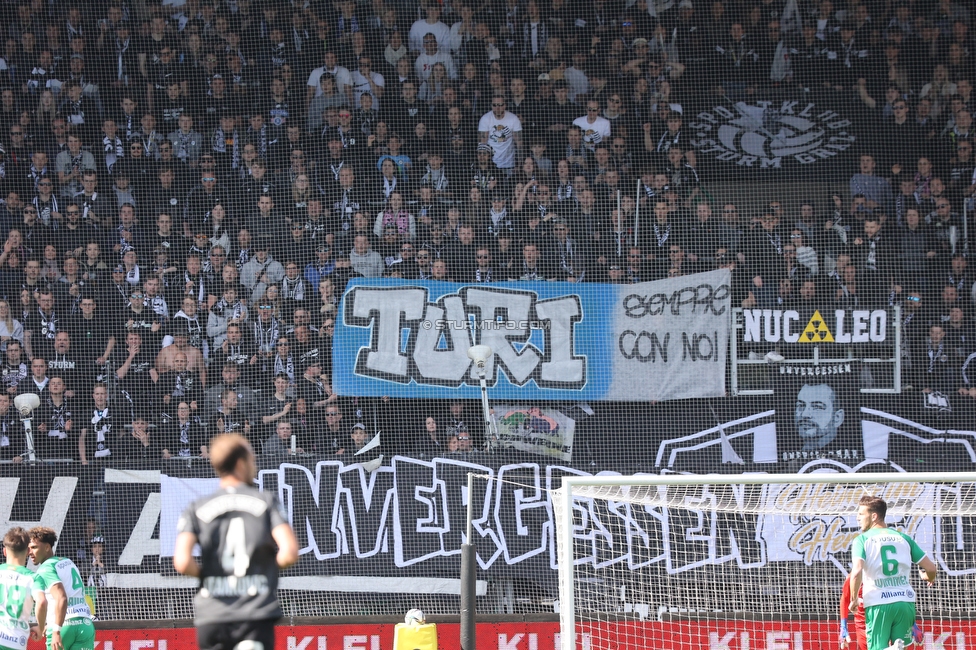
<point>189,185</point>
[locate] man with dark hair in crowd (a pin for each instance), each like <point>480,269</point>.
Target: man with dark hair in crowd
<point>874,256</point>
<point>55,437</point>
<point>15,368</point>
<point>41,326</point>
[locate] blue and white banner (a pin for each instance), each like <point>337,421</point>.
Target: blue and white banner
<point>657,340</point>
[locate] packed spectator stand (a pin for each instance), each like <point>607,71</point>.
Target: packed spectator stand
<point>189,185</point>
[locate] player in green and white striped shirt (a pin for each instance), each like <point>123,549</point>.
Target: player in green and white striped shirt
<point>69,619</point>
<point>19,594</point>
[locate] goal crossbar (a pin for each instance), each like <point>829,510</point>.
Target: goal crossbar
<point>767,479</point>
<point>570,483</point>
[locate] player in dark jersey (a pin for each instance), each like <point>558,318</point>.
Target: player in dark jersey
<point>244,540</point>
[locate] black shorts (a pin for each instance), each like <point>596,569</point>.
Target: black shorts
<point>226,636</point>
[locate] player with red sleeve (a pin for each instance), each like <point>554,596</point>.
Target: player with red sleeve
<point>860,625</point>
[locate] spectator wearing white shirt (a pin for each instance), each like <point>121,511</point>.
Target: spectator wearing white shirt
<point>595,128</point>
<point>502,131</point>
<point>432,25</point>
<point>433,55</point>
<point>342,76</point>
<point>367,82</point>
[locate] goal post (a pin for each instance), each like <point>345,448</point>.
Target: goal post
<point>707,560</point>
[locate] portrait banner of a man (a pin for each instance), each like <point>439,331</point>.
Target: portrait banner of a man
<point>817,416</point>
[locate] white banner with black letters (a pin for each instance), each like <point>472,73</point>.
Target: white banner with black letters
<point>671,337</point>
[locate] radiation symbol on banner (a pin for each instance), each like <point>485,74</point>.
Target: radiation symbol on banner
<point>816,330</point>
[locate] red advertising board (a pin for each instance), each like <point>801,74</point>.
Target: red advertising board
<point>679,635</point>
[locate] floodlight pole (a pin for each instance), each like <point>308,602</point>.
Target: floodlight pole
<point>29,435</point>
<point>490,433</point>
<point>637,211</point>
<point>620,215</point>
<point>480,355</point>
<point>25,404</point>
<point>468,578</point>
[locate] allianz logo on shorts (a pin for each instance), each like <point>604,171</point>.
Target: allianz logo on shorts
<point>15,639</point>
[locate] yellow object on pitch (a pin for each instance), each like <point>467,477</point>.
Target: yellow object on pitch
<point>415,637</point>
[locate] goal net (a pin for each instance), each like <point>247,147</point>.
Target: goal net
<point>748,561</point>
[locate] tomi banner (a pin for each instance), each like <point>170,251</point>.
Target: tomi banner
<point>659,340</point>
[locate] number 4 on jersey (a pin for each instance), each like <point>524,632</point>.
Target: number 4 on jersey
<point>76,582</point>
<point>234,558</point>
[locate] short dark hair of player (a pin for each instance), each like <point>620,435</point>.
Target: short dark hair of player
<point>875,505</point>
<point>44,535</point>
<point>225,450</point>
<point>16,540</point>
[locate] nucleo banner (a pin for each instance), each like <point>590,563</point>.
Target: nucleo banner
<point>657,340</point>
